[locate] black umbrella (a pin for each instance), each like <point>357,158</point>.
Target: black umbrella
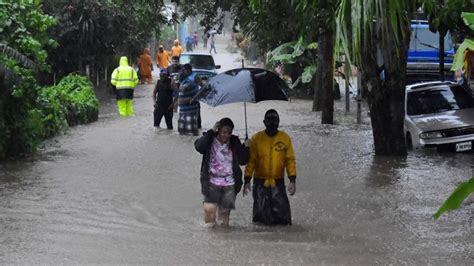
<point>243,85</point>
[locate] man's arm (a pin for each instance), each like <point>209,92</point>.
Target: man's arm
<point>113,79</point>
<point>290,162</point>
<point>134,77</point>
<point>250,167</point>
<point>155,91</point>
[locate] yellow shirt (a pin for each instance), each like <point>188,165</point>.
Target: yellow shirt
<point>269,156</point>
<point>162,59</point>
<point>176,50</point>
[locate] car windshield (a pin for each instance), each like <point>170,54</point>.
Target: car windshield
<point>438,99</point>
<point>198,61</point>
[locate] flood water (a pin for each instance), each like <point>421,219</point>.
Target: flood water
<point>116,191</point>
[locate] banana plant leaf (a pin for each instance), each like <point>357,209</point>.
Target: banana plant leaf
<point>468,19</point>
<point>308,73</point>
<point>458,61</point>
<point>456,198</point>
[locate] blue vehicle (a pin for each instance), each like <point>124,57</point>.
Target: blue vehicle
<point>423,54</point>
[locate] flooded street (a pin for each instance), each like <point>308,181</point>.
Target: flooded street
<point>118,192</point>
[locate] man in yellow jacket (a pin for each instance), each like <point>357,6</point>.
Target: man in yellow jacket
<point>124,79</point>
<point>271,152</point>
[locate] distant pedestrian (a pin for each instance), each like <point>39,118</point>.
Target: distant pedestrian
<point>146,67</point>
<point>163,97</point>
<point>271,152</point>
<point>188,108</point>
<point>174,71</point>
<point>176,50</point>
<point>162,57</point>
<point>213,44</point>
<point>200,83</point>
<point>189,43</point>
<point>195,40</point>
<point>205,37</point>
<point>221,176</point>
<point>124,79</point>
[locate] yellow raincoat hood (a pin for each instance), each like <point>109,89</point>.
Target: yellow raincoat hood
<point>123,61</point>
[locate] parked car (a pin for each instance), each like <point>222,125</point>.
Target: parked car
<point>439,114</point>
<point>202,63</point>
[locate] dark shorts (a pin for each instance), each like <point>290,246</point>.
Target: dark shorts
<point>223,196</point>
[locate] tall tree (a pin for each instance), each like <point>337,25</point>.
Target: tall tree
<point>325,28</point>
<point>381,34</point>
<point>311,20</point>
<point>91,32</point>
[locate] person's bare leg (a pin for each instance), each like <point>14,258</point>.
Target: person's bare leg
<point>209,213</point>
<point>223,216</point>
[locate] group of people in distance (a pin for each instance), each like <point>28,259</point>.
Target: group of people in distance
<point>266,156</point>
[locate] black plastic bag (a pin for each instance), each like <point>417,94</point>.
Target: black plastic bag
<point>271,205</point>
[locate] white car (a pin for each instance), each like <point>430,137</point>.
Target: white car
<point>203,64</point>
<point>439,114</point>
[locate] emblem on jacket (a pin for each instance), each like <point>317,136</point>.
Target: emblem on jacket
<point>280,146</point>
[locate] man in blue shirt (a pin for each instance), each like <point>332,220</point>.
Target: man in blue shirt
<point>188,108</point>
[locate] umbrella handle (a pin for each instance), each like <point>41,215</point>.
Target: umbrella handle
<point>245,113</point>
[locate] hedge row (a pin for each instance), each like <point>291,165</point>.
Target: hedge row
<point>71,102</point>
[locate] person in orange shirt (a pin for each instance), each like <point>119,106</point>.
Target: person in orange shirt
<point>177,49</point>
<point>146,66</point>
<point>162,58</point>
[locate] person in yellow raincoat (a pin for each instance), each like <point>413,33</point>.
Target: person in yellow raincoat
<point>146,66</point>
<point>271,152</point>
<point>124,79</point>
<point>162,58</point>
<point>176,50</point>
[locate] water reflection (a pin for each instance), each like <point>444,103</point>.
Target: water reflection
<point>386,171</point>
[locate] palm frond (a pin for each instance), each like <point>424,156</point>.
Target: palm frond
<point>17,56</point>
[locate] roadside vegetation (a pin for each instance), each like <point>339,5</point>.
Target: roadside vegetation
<point>51,50</point>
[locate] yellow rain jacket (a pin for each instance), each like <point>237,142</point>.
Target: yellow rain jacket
<point>124,76</point>
<point>269,156</point>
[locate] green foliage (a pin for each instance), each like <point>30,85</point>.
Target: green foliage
<point>456,198</point>
<point>296,54</point>
<point>166,36</point>
<point>71,102</point>
<point>258,21</point>
<point>447,17</point>
<point>212,11</point>
<point>23,28</point>
<point>91,32</point>
<point>308,73</point>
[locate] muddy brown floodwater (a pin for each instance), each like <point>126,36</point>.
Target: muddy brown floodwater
<point>116,191</point>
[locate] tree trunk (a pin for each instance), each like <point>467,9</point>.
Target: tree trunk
<point>387,98</point>
<point>327,57</point>
<point>387,116</point>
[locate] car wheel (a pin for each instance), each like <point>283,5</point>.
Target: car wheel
<point>409,141</point>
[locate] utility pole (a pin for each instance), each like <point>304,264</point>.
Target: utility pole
<point>347,67</point>
<point>441,47</point>
<point>359,76</point>
<point>176,23</point>
<point>359,97</point>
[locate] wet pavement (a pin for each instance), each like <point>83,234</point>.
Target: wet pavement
<point>116,191</point>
